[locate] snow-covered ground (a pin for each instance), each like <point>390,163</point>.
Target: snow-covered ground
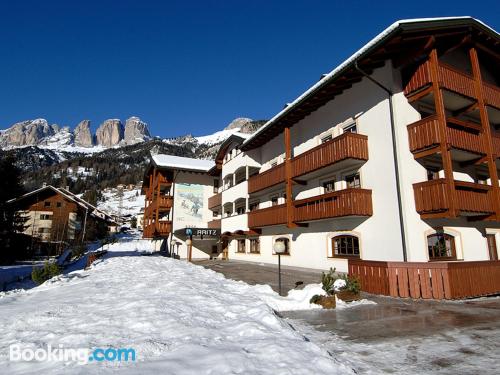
<point>179,318</point>
<point>133,201</point>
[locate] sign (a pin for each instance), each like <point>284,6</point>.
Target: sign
<point>203,232</point>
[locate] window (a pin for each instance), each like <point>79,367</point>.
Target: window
<point>345,246</point>
<point>45,217</point>
<point>351,128</point>
<point>215,213</point>
<point>483,180</point>
<point>286,241</point>
<point>441,246</point>
<point>46,204</point>
<point>329,186</point>
<point>43,230</point>
<point>216,186</point>
<point>240,210</point>
<point>492,246</point>
<point>326,138</point>
<point>432,174</point>
<point>254,246</point>
<point>353,181</point>
<point>274,200</point>
<point>254,206</point>
<point>241,246</point>
<point>59,204</point>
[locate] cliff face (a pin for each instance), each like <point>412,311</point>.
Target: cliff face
<point>109,133</point>
<point>26,133</point>
<point>83,135</point>
<point>136,131</point>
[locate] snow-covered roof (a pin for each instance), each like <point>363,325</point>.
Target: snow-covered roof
<point>363,50</point>
<point>179,162</point>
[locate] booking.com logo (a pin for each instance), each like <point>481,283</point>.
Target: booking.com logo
<point>80,355</point>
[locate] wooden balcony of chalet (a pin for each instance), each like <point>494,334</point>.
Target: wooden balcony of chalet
<point>433,199</point>
<point>158,229</point>
<point>162,203</point>
<point>162,180</point>
<point>214,201</point>
<point>343,147</point>
<point>214,224</point>
<point>424,135</point>
<point>348,202</point>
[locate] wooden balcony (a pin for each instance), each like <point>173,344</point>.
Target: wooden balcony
<point>424,134</point>
<point>491,95</point>
<point>345,146</point>
<point>432,198</point>
<point>162,180</point>
<point>450,79</point>
<point>496,145</point>
<point>214,201</point>
<point>348,202</point>
<point>214,224</point>
<point>159,229</point>
<point>267,216</point>
<point>267,179</point>
<point>165,202</point>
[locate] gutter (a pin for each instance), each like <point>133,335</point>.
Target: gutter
<point>395,157</point>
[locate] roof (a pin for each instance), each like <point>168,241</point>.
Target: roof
<point>182,163</point>
<point>325,88</point>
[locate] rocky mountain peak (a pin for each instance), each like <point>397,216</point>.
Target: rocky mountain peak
<point>238,123</point>
<point>29,132</point>
<point>136,131</point>
<point>109,133</point>
<point>83,135</point>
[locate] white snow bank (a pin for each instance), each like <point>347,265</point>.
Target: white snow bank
<point>179,318</point>
<point>180,162</point>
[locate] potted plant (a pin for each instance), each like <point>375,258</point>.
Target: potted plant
<point>347,288</point>
<point>326,301</point>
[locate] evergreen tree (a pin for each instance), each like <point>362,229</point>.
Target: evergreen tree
<point>11,221</point>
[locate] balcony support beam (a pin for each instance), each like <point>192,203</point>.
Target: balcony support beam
<point>485,123</point>
<point>288,180</point>
<point>441,115</point>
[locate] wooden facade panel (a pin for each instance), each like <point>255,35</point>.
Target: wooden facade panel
<point>267,216</point>
<point>214,224</point>
<point>271,177</point>
<point>214,201</point>
<point>491,95</point>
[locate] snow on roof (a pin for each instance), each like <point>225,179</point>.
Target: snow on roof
<point>354,57</point>
<point>179,162</point>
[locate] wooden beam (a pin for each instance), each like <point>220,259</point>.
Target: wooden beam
<point>431,151</point>
<point>420,94</point>
<point>288,180</point>
<point>464,110</point>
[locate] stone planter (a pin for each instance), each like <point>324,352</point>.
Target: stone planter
<point>348,296</point>
<point>327,302</point>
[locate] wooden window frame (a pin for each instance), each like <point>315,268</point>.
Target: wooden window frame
<point>345,256</point>
<point>250,249</point>
<point>453,247</point>
<point>46,204</point>
<point>491,242</point>
<point>240,250</point>
<point>353,175</point>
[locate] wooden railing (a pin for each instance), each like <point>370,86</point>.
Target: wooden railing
<point>433,280</point>
<point>450,78</point>
<point>164,201</point>
<point>425,134</point>
<point>345,146</point>
<point>348,202</point>
<point>433,197</point>
<point>214,224</point>
<point>158,229</point>
<point>496,145</point>
<point>491,95</point>
<point>160,179</point>
<point>267,216</point>
<point>214,201</point>
<point>267,179</point>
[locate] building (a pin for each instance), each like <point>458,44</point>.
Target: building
<point>56,217</point>
<point>177,191</point>
<point>386,168</point>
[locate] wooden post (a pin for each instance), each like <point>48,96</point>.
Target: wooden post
<point>441,116</point>
<point>486,130</point>
<point>288,180</point>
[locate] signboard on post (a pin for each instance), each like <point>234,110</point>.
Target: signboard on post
<point>202,233</point>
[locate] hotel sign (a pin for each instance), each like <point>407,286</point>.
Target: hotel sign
<point>202,232</point>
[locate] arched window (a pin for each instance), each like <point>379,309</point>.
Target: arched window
<point>441,246</point>
<point>286,241</point>
<point>345,246</point>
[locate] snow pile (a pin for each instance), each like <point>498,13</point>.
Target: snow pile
<point>179,318</point>
<point>217,137</point>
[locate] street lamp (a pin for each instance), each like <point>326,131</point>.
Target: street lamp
<point>279,248</point>
<point>172,247</point>
<point>189,243</point>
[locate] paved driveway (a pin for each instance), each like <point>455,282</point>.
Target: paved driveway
<point>395,335</point>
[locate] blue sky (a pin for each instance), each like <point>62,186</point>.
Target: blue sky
<point>184,66</point>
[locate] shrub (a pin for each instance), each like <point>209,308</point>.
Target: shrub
<point>41,274</point>
<point>315,298</point>
<point>352,283</point>
<point>327,280</point>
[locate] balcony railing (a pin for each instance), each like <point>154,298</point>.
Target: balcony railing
<point>214,224</point>
<point>267,179</point>
<point>450,78</point>
<point>496,145</point>
<point>425,134</point>
<point>491,95</point>
<point>345,146</point>
<point>348,202</point>
<point>214,201</point>
<point>267,216</point>
<point>433,197</point>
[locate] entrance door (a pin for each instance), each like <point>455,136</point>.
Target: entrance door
<point>492,246</point>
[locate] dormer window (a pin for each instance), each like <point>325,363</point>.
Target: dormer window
<point>351,128</point>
